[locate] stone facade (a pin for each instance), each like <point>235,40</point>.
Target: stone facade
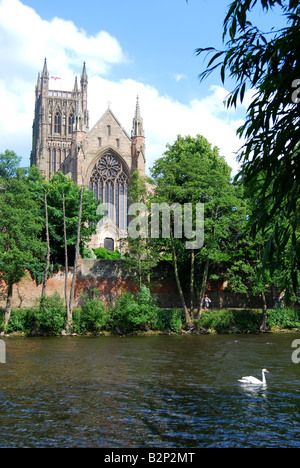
<point>102,158</point>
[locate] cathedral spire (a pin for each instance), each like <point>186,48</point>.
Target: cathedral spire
<point>138,140</point>
<point>138,125</point>
<point>45,76</point>
<point>38,84</point>
<point>137,110</point>
<point>84,93</point>
<point>45,73</point>
<point>75,90</point>
<point>84,78</point>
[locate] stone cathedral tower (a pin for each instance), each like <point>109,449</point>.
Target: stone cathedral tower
<point>102,158</point>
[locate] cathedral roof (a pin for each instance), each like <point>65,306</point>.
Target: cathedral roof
<point>104,117</point>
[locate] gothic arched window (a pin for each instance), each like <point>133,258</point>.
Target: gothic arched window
<point>109,182</point>
<point>71,124</point>
<point>50,122</point>
<point>57,123</point>
<point>53,161</point>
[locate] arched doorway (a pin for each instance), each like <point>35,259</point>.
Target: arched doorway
<point>109,244</point>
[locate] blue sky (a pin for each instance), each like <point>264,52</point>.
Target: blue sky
<point>130,47</point>
<point>158,37</point>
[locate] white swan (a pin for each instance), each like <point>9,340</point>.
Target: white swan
<point>254,381</point>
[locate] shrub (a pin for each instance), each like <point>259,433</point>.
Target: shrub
<point>22,320</point>
<point>224,321</point>
<point>247,320</point>
<point>283,318</point>
<point>103,254</point>
<point>51,315</point>
<point>16,321</point>
<point>92,317</point>
<point>126,314</point>
<point>169,320</point>
<point>133,313</point>
<point>205,321</point>
<point>87,253</point>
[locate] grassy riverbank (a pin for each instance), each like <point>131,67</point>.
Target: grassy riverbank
<point>138,314</point>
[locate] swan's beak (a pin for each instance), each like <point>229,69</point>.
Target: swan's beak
<point>267,371</point>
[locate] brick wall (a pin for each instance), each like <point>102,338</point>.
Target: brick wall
<point>26,293</point>
<point>106,276</point>
<point>110,281</point>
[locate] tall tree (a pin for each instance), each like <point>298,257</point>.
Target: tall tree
<point>244,271</point>
<point>142,258</point>
<point>77,253</point>
<point>69,315</point>
<point>55,188</point>
<point>48,245</point>
<point>21,244</point>
<point>192,171</point>
<point>71,219</point>
<point>268,64</point>
<point>9,163</point>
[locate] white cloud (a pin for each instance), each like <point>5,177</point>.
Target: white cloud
<point>25,39</point>
<point>165,118</point>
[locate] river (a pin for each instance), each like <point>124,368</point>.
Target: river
<point>146,392</point>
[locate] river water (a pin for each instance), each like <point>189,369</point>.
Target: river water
<point>149,392</point>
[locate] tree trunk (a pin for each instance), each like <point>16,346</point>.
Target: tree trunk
<point>192,278</point>
<point>8,305</point>
<point>72,293</point>
<point>140,270</point>
<point>273,294</point>
<point>263,326</point>
<point>48,247</point>
<point>192,282</point>
<point>186,312</point>
<point>69,316</point>
<point>203,287</point>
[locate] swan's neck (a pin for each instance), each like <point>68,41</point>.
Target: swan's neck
<point>263,377</point>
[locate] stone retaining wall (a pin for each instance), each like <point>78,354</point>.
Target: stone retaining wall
<point>109,279</point>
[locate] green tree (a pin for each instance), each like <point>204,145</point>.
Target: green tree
<point>267,63</point>
<point>244,271</point>
<point>191,171</point>
<point>71,214</point>
<point>21,244</point>
<point>58,187</point>
<point>9,162</point>
<point>142,258</point>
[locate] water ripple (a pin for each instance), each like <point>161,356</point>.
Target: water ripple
<point>168,392</point>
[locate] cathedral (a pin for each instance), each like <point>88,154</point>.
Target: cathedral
<point>102,158</point>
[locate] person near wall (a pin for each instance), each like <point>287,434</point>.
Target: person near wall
<point>207,301</point>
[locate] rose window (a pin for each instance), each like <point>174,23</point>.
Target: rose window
<point>109,167</point>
